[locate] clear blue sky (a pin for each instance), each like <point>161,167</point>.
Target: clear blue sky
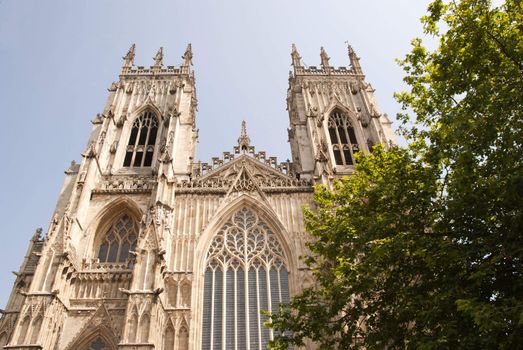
<point>57,58</point>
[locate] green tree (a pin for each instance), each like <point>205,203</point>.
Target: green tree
<point>423,246</point>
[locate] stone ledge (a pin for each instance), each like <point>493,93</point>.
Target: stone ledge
<point>136,346</point>
<point>23,347</point>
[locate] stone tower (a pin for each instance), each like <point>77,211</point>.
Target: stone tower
<point>150,249</point>
<point>333,115</point>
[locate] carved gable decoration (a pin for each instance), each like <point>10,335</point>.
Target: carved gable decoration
<point>244,182</point>
<point>243,174</point>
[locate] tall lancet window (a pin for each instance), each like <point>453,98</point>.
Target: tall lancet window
<point>343,138</point>
<point>119,239</point>
<point>140,149</point>
<point>245,273</point>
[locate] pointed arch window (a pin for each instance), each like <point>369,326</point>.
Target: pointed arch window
<point>343,138</point>
<point>98,344</point>
<point>119,239</point>
<point>140,148</point>
<point>245,273</point>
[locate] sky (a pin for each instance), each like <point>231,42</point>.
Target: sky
<point>57,59</point>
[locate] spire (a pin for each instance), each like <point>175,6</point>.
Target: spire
<point>128,59</point>
<point>296,58</point>
<point>354,61</point>
<point>324,58</point>
<point>158,58</point>
<point>187,56</point>
<point>244,141</point>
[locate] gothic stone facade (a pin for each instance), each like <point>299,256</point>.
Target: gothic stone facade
<point>148,249</point>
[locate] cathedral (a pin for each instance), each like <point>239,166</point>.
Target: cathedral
<point>149,248</point>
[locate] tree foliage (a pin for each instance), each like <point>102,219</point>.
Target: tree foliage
<point>423,246</point>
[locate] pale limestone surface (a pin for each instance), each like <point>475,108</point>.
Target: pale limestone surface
<point>64,298</point>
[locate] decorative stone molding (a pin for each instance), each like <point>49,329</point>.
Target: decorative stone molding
<point>222,178</point>
<point>126,184</point>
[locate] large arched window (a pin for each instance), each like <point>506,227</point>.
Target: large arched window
<point>343,138</point>
<point>140,149</point>
<point>119,239</point>
<point>245,273</point>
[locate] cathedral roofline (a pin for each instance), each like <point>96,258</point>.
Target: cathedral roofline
<point>319,71</point>
<point>142,71</point>
<point>130,70</point>
<point>221,179</point>
<point>244,148</point>
<point>326,69</point>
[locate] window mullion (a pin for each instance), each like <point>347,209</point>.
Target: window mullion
<point>212,311</point>
<point>224,306</point>
<point>269,297</point>
<point>136,142</point>
<point>146,144</point>
<point>347,134</point>
<point>107,252</point>
<point>235,310</point>
<point>279,286</point>
<point>117,260</point>
<point>246,297</point>
<point>340,146</point>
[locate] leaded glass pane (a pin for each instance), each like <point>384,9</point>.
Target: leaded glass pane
<point>284,280</point>
<point>102,255</point>
<point>343,135</point>
<point>334,137</point>
<point>264,303</point>
<point>207,301</point>
<point>113,252</point>
<point>152,136</point>
<point>218,309</point>
<point>253,310</point>
<point>230,312</point>
<point>275,290</point>
<point>143,135</point>
<point>241,341</point>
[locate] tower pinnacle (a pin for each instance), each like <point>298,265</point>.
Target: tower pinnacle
<point>354,60</point>
<point>296,58</point>
<point>187,56</point>
<point>128,59</point>
<point>158,58</point>
<point>324,58</point>
<point>244,141</point>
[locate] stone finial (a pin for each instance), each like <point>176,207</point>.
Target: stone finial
<point>37,235</point>
<point>158,58</point>
<point>244,141</point>
<point>296,58</point>
<point>354,61</point>
<point>187,56</point>
<point>128,59</point>
<point>324,58</point>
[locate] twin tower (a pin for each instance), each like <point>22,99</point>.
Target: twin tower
<point>148,249</point>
